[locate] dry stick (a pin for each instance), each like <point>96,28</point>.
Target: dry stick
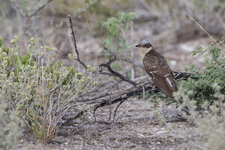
<point>74,42</point>
<point>105,102</point>
<point>185,75</point>
<point>113,86</point>
<point>122,97</point>
<point>178,75</point>
<point>211,37</point>
<point>123,58</point>
<point>107,65</point>
<point>200,26</point>
<point>114,115</point>
<point>22,13</point>
<point>40,8</point>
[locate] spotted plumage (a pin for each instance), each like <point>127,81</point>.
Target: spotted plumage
<point>157,68</point>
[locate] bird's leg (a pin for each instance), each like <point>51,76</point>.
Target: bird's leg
<point>153,87</point>
<point>143,89</point>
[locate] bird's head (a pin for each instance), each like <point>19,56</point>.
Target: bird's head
<point>144,47</point>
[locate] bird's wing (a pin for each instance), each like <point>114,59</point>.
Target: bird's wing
<point>157,65</point>
<point>158,69</point>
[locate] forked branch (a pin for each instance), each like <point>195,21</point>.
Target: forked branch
<point>107,65</point>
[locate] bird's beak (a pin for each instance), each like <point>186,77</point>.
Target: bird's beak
<point>138,45</point>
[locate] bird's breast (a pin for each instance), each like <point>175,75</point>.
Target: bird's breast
<point>144,51</point>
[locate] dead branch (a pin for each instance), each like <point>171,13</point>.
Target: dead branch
<point>178,75</point>
<point>107,65</point>
<point>38,10</point>
<point>74,42</point>
<point>28,16</point>
<point>114,114</point>
<point>183,75</point>
<point>111,99</point>
<point>119,96</point>
<point>123,58</point>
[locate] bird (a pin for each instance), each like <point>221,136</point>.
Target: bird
<point>157,68</point>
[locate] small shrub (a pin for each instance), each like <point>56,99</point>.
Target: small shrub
<point>38,87</point>
<point>207,130</point>
<point>200,89</point>
<point>115,30</point>
<point>10,125</point>
<point>206,92</point>
<point>115,37</point>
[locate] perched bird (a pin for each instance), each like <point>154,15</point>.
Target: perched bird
<point>157,68</point>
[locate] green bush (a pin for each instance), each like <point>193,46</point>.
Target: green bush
<point>115,42</point>
<point>38,87</point>
<point>206,129</point>
<point>200,88</point>
<point>206,92</point>
<point>115,30</point>
<point>10,125</point>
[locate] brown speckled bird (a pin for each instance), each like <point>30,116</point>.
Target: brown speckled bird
<point>157,68</point>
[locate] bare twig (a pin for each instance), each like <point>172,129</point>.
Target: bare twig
<point>178,75</point>
<point>207,33</point>
<point>123,58</point>
<point>113,86</point>
<point>74,42</point>
<point>107,65</point>
<point>120,96</point>
<point>38,10</point>
<point>28,16</point>
<point>114,114</point>
<point>184,75</point>
<point>112,99</point>
<point>17,6</point>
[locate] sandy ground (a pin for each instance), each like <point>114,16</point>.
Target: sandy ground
<point>134,128</point>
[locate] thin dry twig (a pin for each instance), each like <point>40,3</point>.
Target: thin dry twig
<point>117,107</point>
<point>110,99</point>
<point>38,10</point>
<point>74,42</point>
<point>183,75</point>
<point>113,86</point>
<point>17,6</point>
<point>200,26</point>
<point>123,58</point>
<point>29,16</point>
<point>114,98</point>
<point>107,65</point>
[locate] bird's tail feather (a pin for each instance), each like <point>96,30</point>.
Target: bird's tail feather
<point>166,84</point>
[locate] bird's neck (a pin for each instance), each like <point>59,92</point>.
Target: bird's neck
<point>144,51</point>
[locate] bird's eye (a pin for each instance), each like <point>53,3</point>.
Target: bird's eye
<point>147,45</point>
